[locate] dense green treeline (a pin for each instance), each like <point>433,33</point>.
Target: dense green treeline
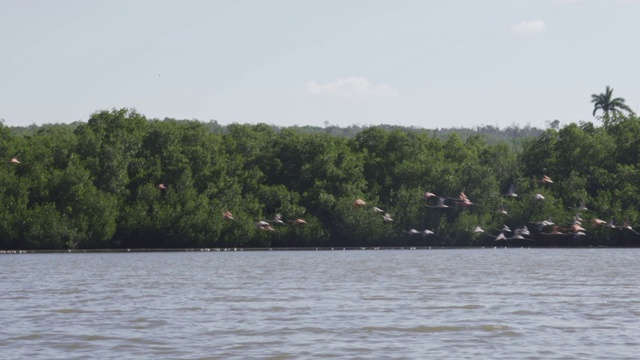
<point>514,134</point>
<point>96,185</point>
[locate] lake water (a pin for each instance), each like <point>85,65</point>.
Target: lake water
<point>401,304</point>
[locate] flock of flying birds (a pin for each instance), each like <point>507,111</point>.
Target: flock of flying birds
<point>546,227</point>
<point>266,224</point>
<point>575,229</point>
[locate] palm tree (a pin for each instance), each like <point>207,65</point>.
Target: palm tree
<point>608,104</point>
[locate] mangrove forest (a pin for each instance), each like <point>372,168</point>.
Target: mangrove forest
<point>120,180</point>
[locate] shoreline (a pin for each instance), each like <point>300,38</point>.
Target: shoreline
<point>349,248</point>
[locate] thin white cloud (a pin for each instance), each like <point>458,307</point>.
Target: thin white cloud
<point>529,27</point>
<point>351,87</point>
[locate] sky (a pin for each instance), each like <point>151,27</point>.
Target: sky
<point>428,64</point>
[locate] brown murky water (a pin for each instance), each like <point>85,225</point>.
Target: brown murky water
<point>459,304</point>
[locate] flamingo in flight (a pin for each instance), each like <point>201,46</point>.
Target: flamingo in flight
<point>546,180</point>
<point>523,230</point>
<point>428,195</point>
<point>227,215</point>
<point>440,203</point>
<point>511,192</point>
<point>554,231</point>
<point>577,218</point>
<point>298,222</point>
<point>277,219</point>
<point>520,233</point>
<point>578,234</point>
<point>359,203</point>
<point>576,227</point>
<point>596,223</point>
<point>627,226</point>
<point>503,211</point>
<point>542,224</point>
<point>427,232</point>
<point>500,237</point>
<point>464,200</point>
<point>263,225</point>
<point>581,207</point>
<point>424,233</point>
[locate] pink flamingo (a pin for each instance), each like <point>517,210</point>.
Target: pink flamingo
<point>427,195</point>
<point>595,223</point>
<point>464,200</point>
<point>298,222</point>
<point>227,215</point>
<point>359,203</point>
<point>575,228</point>
<point>554,231</point>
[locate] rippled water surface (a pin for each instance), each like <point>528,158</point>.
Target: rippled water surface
<point>462,304</point>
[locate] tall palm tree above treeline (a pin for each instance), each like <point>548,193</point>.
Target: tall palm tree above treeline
<point>609,105</point>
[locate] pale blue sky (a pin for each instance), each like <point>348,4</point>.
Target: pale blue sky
<point>454,63</point>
